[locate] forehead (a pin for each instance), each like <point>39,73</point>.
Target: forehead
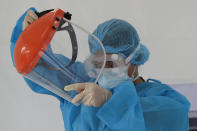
<point>100,53</point>
<point>108,55</point>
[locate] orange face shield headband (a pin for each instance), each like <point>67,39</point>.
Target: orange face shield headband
<point>35,39</point>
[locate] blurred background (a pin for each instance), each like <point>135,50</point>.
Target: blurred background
<point>167,28</point>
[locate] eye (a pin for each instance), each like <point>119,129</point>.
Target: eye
<point>109,64</point>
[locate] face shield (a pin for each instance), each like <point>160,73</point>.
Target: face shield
<point>51,52</point>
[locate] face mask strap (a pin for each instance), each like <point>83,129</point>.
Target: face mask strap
<point>132,75</point>
<point>132,54</point>
<point>133,78</point>
<point>136,78</point>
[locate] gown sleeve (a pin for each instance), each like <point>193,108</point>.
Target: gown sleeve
<point>122,112</point>
<point>164,108</point>
<point>156,108</point>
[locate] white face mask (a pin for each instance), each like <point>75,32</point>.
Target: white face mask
<point>112,77</point>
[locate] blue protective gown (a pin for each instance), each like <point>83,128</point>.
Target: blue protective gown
<point>149,106</point>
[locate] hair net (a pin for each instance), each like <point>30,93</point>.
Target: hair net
<point>118,36</point>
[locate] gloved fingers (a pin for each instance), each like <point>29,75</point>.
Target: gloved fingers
<point>29,19</point>
<point>87,100</point>
<point>77,87</point>
<point>32,14</point>
<point>92,102</point>
<point>78,97</point>
<point>25,24</point>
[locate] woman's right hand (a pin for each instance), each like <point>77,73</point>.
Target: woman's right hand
<point>29,18</point>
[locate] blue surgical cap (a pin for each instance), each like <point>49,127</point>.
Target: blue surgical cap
<point>119,37</point>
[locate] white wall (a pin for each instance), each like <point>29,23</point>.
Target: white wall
<point>168,28</point>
